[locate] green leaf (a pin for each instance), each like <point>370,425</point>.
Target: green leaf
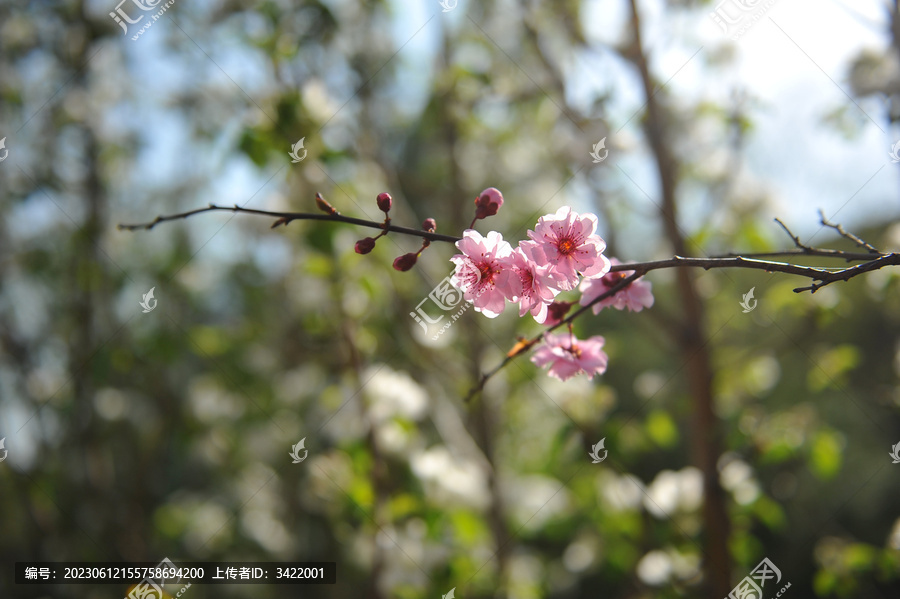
<point>824,582</point>
<point>825,455</point>
<point>830,368</point>
<point>662,429</point>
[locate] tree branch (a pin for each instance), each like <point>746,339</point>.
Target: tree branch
<point>837,227</point>
<point>731,260</point>
<point>820,276</point>
<point>283,218</point>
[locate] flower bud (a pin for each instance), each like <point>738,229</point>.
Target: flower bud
<point>365,245</point>
<point>488,203</point>
<point>324,206</point>
<point>384,201</point>
<point>430,225</point>
<point>556,311</point>
<point>405,262</point>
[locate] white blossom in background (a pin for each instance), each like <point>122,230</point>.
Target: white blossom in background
<point>672,492</point>
<point>655,568</point>
<point>736,476</point>
<point>580,554</point>
<point>393,394</point>
<point>894,538</point>
<point>659,567</point>
<point>451,480</point>
<point>622,493</point>
<point>534,500</point>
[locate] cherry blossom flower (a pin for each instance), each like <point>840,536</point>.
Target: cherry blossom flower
<point>568,356</point>
<point>568,243</point>
<point>484,272</point>
<point>538,288</point>
<point>635,297</point>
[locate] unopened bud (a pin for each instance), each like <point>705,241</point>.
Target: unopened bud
<point>430,225</point>
<point>405,262</point>
<point>324,206</point>
<point>488,202</point>
<point>365,245</point>
<point>384,202</point>
<point>556,311</point>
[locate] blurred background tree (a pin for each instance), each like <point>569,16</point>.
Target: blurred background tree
<point>731,436</point>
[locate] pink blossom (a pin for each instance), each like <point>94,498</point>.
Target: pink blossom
<point>538,288</point>
<point>635,297</point>
<point>484,271</point>
<point>568,243</point>
<point>568,356</point>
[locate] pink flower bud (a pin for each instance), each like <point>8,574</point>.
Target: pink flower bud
<point>384,201</point>
<point>488,203</point>
<point>429,225</point>
<point>556,311</point>
<point>365,245</point>
<point>405,262</point>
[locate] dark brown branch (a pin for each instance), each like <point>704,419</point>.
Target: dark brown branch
<point>819,252</point>
<point>820,276</point>
<point>793,237</point>
<point>811,251</point>
<point>837,227</point>
<point>283,218</point>
<point>727,261</point>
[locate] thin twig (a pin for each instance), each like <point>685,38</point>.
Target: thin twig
<point>837,227</point>
<point>793,237</point>
<point>283,218</point>
<point>820,276</point>
<point>819,252</point>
